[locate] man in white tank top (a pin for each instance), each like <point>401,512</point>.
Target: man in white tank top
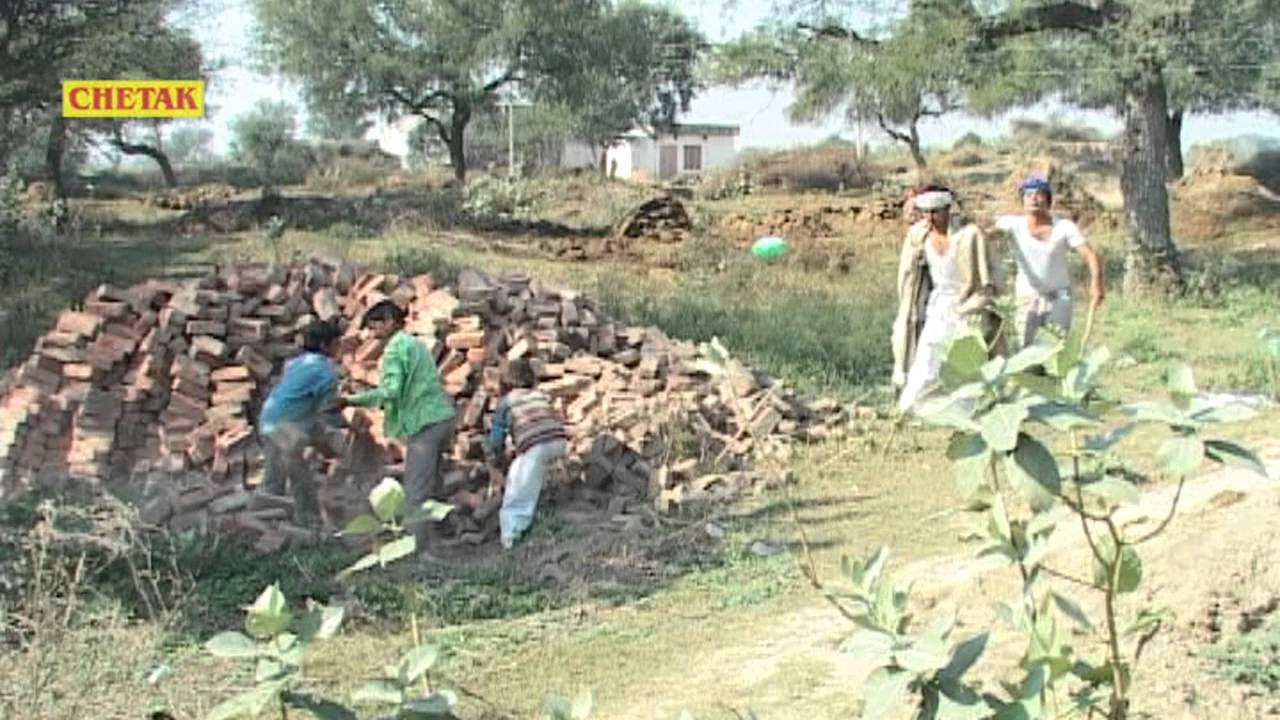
<point>1040,244</point>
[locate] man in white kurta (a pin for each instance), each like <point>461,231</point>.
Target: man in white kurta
<point>1040,243</point>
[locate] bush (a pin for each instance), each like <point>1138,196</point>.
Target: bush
<point>968,140</point>
<point>504,197</point>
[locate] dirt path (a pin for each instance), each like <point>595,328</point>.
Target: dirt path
<point>1218,562</point>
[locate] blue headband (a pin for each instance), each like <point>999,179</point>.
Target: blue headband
<point>1035,184</point>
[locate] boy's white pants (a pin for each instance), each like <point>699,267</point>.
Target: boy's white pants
<point>524,484</point>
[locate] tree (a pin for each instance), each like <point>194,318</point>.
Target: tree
<point>1216,60</point>
<point>1145,45</point>
<point>636,67</point>
<point>140,46</point>
<point>189,144</point>
<point>911,69</point>
<point>265,138</point>
<point>37,37</point>
<point>1014,44</point>
<point>443,61</point>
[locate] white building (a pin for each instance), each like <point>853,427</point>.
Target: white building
<point>687,149</point>
<point>393,137</point>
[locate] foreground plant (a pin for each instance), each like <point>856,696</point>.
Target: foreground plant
<point>276,643</point>
<point>388,523</point>
<point>1023,491</point>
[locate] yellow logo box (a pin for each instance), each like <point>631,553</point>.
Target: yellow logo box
<point>133,98</point>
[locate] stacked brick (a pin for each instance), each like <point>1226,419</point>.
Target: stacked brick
<point>159,386</point>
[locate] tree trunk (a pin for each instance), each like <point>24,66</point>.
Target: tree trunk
<point>54,150</point>
<point>155,153</point>
<point>1173,157</point>
<point>457,149</point>
<point>917,154</point>
<point>1151,264</point>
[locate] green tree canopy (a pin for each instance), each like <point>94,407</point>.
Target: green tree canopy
<point>443,61</point>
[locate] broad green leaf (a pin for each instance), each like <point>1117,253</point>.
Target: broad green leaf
<point>583,704</point>
<point>964,359</point>
<point>957,701</point>
<point>1039,385</point>
<point>320,623</point>
<point>948,412</point>
<point>1221,414</point>
<point>1229,453</point>
<point>1181,456</point>
<point>884,692</point>
<point>868,645</point>
<point>1181,382</point>
<point>993,370</point>
<point>232,645</point>
<point>440,705</point>
<point>1071,609</point>
<point>1080,379</point>
<point>247,704</point>
<point>396,549</point>
<point>1034,471</point>
<point>1130,567</point>
<point>965,657</point>
<point>363,524</point>
<point>1062,416</point>
<point>387,499</point>
<point>1001,424</point>
<point>1113,488</point>
<point>416,662</point>
<point>1099,444</point>
<point>363,563</point>
<point>1092,674</point>
<point>1147,411</point>
<point>922,655</point>
<point>270,669</point>
<point>431,511</point>
<point>384,692</point>
<point>970,457</point>
<point>1028,357</point>
<point>268,615</point>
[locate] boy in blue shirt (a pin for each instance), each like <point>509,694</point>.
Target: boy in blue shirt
<point>290,417</point>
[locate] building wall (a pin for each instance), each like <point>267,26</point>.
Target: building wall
<point>393,138</point>
<point>577,154</point>
<point>637,157</point>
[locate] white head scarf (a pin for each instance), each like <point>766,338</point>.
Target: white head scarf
<point>935,200</point>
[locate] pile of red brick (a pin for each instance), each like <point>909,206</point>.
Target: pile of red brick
<point>155,389</point>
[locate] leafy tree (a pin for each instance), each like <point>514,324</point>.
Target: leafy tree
<point>636,67</point>
<point>1216,59</point>
<point>189,144</point>
<point>1149,50</point>
<point>1012,45</point>
<point>443,61</point>
<point>265,138</point>
<point>911,69</point>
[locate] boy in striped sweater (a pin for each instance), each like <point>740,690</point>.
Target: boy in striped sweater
<point>539,438</point>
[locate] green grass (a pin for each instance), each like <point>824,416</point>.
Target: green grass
<point>1251,659</point>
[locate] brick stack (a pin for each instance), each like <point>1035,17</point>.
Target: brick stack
<point>159,386</point>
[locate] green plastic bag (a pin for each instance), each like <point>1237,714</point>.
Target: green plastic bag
<point>769,247</point>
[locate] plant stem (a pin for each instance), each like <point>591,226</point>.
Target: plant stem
<point>1119,693</point>
<point>1173,508</point>
<point>1069,578</point>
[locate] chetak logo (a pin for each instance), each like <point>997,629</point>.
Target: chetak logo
<point>133,98</point>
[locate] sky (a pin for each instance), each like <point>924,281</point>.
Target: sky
<point>759,110</point>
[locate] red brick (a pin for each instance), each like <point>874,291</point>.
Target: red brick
<point>231,373</point>
<point>79,323</point>
<point>78,371</point>
<point>205,346</point>
<point>108,310</point>
<point>207,327</point>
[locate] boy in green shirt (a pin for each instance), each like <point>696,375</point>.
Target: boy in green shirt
<point>418,411</point>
